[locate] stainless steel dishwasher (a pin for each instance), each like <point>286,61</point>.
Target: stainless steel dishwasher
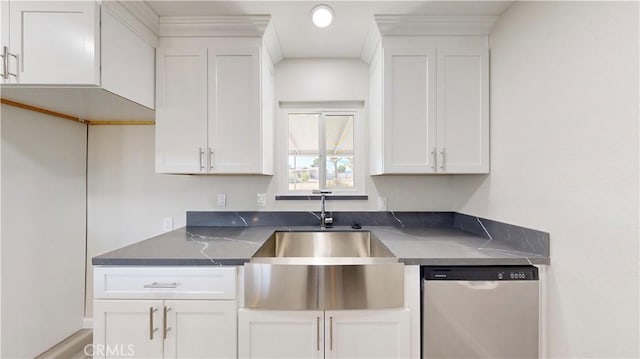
<point>480,312</point>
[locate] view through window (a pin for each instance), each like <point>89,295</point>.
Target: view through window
<point>320,151</point>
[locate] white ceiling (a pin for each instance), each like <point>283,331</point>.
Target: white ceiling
<point>344,38</point>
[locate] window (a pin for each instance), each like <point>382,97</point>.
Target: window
<point>321,151</point>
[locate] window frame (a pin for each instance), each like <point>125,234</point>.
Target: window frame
<point>358,161</point>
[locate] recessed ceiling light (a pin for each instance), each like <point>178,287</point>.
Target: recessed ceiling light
<point>322,15</point>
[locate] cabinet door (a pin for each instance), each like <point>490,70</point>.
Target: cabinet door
<point>181,111</point>
<point>200,329</point>
<point>409,109</point>
<point>4,38</point>
<point>463,109</point>
<point>234,110</point>
<point>367,334</point>
<point>127,328</point>
<point>56,42</point>
<point>280,334</point>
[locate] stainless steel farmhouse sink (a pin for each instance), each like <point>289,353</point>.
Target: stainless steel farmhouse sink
<point>323,270</point>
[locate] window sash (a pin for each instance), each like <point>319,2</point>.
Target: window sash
<point>322,149</point>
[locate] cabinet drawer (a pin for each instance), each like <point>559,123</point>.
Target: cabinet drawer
<point>164,282</point>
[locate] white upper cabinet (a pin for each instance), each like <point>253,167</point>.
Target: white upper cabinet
<point>54,42</point>
<point>409,109</point>
<point>215,107</point>
<point>89,59</point>
<point>429,106</point>
<point>463,108</point>
<point>181,112</point>
<point>127,61</point>
<point>429,95</point>
<point>234,109</point>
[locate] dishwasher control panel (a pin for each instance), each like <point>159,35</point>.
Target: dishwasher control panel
<point>481,273</point>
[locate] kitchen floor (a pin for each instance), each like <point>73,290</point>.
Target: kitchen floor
<point>72,347</point>
<point>80,355</point>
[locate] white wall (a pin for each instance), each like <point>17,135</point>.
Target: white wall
<point>564,130</point>
<point>127,200</point>
<point>43,231</point>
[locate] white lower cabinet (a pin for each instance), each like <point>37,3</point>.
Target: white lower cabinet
<point>367,334</point>
<point>164,329</point>
<point>127,328</point>
<point>280,334</point>
<point>324,334</point>
<point>165,312</point>
<point>200,329</point>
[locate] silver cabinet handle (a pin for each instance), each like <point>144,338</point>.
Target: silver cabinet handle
<point>5,62</point>
<point>201,154</point>
<point>156,285</point>
<point>14,74</point>
<point>164,323</point>
<point>330,333</point>
<point>434,157</point>
<point>151,328</point>
<point>318,333</point>
<point>443,153</point>
<point>211,160</point>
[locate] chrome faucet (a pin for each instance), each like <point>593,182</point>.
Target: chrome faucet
<point>324,220</point>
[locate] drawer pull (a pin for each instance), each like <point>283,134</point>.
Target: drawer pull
<point>156,285</point>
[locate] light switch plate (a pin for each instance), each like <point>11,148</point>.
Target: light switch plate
<point>222,199</point>
<point>262,199</point>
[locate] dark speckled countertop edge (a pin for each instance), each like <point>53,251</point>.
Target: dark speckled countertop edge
<point>412,246</point>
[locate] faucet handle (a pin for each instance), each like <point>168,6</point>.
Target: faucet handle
<point>328,222</point>
<point>317,191</point>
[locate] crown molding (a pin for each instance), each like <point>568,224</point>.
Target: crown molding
<point>272,43</point>
<point>138,17</point>
<point>422,25</point>
<point>370,43</point>
<point>214,26</point>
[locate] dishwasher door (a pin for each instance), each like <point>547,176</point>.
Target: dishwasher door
<point>483,312</point>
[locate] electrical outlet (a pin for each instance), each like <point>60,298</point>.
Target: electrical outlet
<point>382,203</point>
<point>167,224</point>
<point>222,199</point>
<point>262,199</point>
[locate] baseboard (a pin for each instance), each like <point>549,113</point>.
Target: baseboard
<point>70,346</point>
<point>87,323</point>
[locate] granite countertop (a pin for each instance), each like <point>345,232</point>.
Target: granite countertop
<point>236,245</point>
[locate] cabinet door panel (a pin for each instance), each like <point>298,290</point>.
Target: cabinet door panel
<point>122,328</point>
<point>463,114</point>
<point>280,334</point>
<point>234,110</point>
<point>4,34</point>
<point>367,334</point>
<point>56,42</point>
<point>181,111</point>
<point>200,329</point>
<point>409,110</point>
